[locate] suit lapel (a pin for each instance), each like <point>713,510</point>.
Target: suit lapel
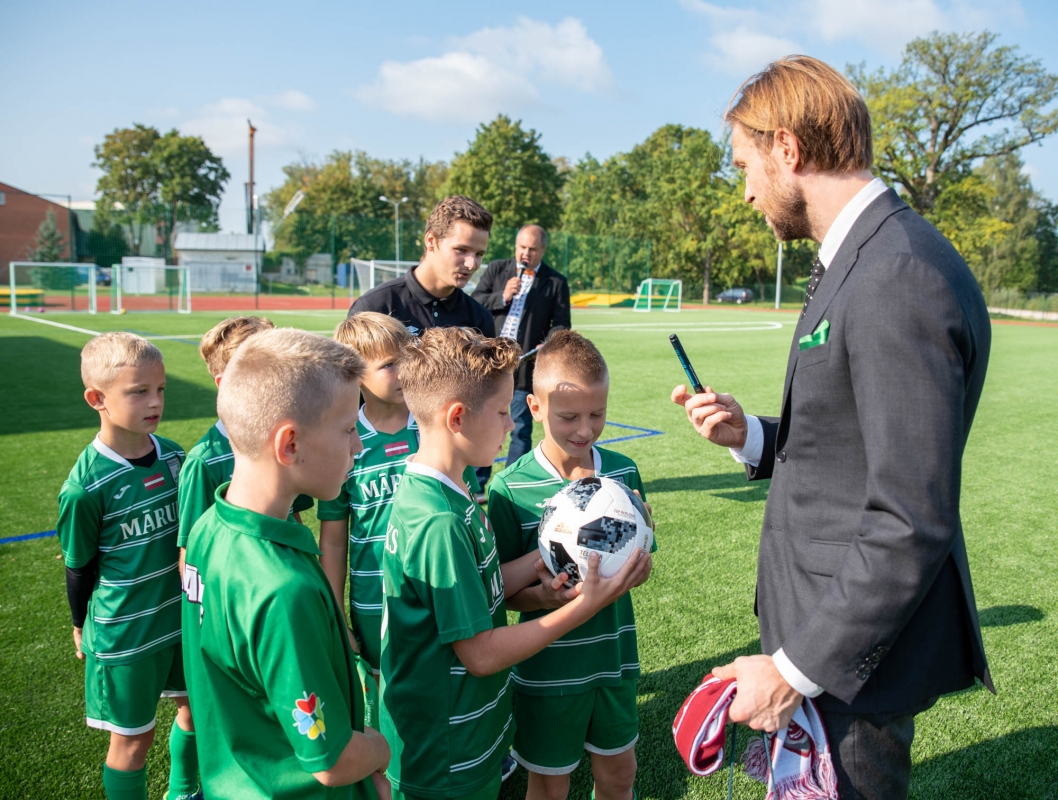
<point>883,207</point>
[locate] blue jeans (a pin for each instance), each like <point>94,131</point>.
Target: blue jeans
<point>521,436</point>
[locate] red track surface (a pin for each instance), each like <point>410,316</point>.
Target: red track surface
<point>61,302</point>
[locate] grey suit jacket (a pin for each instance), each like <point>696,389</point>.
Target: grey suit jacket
<point>862,576</point>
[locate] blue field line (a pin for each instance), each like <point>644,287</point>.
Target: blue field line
<point>25,537</point>
<point>643,433</point>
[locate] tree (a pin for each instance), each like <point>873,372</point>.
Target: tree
<point>189,175</point>
<point>954,100</point>
<point>342,203</point>
<point>507,171</point>
<point>49,244</point>
<point>130,174</point>
<point>107,244</point>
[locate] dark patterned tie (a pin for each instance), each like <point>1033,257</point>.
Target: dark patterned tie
<point>818,271</point>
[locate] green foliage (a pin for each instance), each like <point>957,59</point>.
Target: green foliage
<point>189,176</point>
<point>345,189</point>
<point>955,99</point>
<point>48,244</point>
<point>152,176</point>
<point>507,171</point>
<point>107,244</point>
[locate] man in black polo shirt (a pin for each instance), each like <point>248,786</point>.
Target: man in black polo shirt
<point>431,295</point>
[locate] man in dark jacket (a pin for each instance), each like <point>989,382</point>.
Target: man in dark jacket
<point>528,299</point>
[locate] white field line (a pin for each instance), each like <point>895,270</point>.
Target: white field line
<point>73,328</point>
<point>689,327</point>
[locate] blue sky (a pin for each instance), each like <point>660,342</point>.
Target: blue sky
<point>410,79</point>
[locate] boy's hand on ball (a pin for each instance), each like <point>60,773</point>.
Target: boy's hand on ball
<point>600,592</point>
<point>77,642</point>
<point>553,591</point>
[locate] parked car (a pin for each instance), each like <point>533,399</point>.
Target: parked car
<point>737,295</point>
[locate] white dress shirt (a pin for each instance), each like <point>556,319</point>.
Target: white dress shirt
<point>752,451</point>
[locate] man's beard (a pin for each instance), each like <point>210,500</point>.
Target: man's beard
<point>787,208</point>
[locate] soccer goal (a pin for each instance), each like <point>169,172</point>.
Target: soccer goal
<point>370,274</point>
<point>139,286</point>
<point>51,286</point>
<point>657,294</point>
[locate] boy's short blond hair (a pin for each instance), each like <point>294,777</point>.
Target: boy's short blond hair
<point>282,374</point>
<point>223,339</point>
<point>373,335</point>
<point>446,364</point>
<point>568,354</point>
<point>104,355</point>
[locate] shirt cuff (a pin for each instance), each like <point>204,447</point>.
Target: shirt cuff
<point>793,676</point>
<point>753,449</point>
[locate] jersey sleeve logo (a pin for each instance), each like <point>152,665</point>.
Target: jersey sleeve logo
<point>174,468</point>
<point>308,716</point>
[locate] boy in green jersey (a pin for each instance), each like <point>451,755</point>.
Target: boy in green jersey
<point>210,462</point>
<point>446,650</point>
<point>353,526</point>
<point>117,524</point>
<point>271,676</point>
<point>586,679</point>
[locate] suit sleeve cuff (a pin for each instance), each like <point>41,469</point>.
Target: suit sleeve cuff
<point>793,676</point>
<point>754,447</point>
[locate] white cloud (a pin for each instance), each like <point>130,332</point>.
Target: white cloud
<point>222,126</point>
<point>743,37</point>
<point>744,51</point>
<point>564,53</point>
<point>291,100</point>
<point>456,87</point>
<point>490,71</point>
<point>886,26</point>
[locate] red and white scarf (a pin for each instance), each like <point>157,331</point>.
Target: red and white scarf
<point>800,766</point>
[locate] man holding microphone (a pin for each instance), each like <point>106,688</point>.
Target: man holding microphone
<point>528,299</point>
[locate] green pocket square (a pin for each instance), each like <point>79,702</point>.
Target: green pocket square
<point>818,337</point>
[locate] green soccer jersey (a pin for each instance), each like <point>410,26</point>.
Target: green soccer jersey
<point>209,464</point>
<point>271,678</point>
<point>366,500</point>
<point>448,730</point>
<point>601,652</point>
<point>125,515</point>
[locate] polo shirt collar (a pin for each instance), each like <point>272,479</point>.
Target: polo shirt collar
<point>261,526</point>
<point>424,297</point>
<point>430,472</point>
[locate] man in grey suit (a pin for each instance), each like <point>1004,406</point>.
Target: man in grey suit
<point>863,586</point>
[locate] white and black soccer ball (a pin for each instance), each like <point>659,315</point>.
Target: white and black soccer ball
<point>598,514</point>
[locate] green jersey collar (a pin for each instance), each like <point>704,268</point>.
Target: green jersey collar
<point>107,452</point>
<point>281,531</point>
<point>430,472</point>
<point>221,429</point>
<point>366,423</point>
<point>541,459</point>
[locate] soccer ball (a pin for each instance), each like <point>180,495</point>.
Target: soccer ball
<point>598,514</point>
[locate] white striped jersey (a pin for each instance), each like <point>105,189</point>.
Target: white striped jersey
<point>127,516</point>
<point>601,652</point>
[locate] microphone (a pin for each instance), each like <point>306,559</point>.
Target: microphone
<point>522,267</point>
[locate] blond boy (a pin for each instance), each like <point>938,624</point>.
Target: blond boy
<point>117,524</point>
<point>446,650</point>
<point>588,677</point>
<point>210,461</point>
<point>270,670</point>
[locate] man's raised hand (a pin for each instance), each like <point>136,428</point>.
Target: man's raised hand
<point>717,417</point>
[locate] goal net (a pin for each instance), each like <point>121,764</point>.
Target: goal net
<point>51,286</point>
<point>657,294</point>
<point>370,274</point>
<point>139,286</point>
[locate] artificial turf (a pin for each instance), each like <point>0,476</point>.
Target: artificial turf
<point>695,612</point>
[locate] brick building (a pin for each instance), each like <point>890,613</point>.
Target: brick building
<point>21,214</point>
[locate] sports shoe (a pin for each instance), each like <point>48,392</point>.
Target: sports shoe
<point>196,796</point>
<point>507,768</point>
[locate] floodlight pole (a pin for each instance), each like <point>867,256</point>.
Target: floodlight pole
<point>396,221</point>
<point>778,279</point>
<point>249,192</point>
